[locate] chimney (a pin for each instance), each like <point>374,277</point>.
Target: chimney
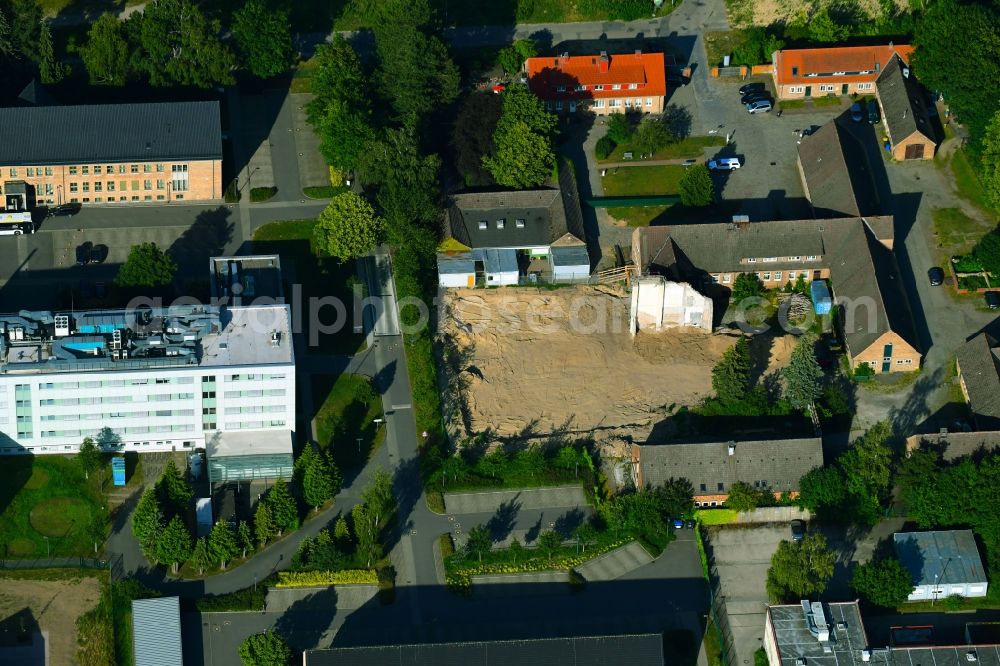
<point>906,72</point>
<point>732,448</point>
<point>638,52</point>
<point>603,63</point>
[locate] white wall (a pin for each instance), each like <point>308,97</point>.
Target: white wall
<point>571,272</point>
<point>501,279</point>
<point>454,280</point>
<point>928,592</point>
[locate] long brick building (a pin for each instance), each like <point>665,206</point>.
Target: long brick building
<point>113,153</point>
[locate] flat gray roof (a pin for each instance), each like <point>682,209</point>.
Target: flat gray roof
<point>944,557</point>
<point>795,640</point>
<point>255,277</point>
<point>156,632</point>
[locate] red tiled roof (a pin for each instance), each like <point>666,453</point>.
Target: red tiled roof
<point>858,63</point>
<point>547,76</point>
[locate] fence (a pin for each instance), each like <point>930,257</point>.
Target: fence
<point>58,563</point>
<point>720,618</point>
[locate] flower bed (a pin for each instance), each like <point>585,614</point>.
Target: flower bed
<point>321,578</point>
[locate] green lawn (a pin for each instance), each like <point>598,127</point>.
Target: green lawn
<point>258,194</point>
<point>317,277</point>
<point>722,43</point>
<point>956,232</point>
<point>323,191</point>
<point>346,407</point>
<point>716,516</point>
<point>827,100</point>
<point>693,146</point>
<point>967,182</point>
<point>641,180</point>
<point>46,496</point>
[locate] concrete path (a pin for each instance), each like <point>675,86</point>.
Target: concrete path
<point>616,563</point>
<point>341,597</point>
<point>510,585</point>
<point>534,498</point>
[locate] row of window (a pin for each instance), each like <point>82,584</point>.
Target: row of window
<point>628,103</point>
<point>253,393</point>
<point>116,415</point>
<point>266,376</point>
<point>599,87</point>
<point>98,169</point>
<point>766,260</point>
<point>114,399</point>
<point>766,276</point>
<point>123,185</point>
<point>136,430</point>
<point>135,197</point>
<point>254,425</point>
<point>827,88</point>
<point>254,409</point>
<point>140,381</point>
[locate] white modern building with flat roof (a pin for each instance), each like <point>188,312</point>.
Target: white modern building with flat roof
<point>161,378</point>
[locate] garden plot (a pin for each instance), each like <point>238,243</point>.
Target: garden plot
<point>55,606</point>
<point>536,361</point>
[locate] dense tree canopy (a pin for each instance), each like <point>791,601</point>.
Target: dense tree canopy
<point>744,498</point>
<point>512,57</point>
<point>884,582</point>
<point>472,136</point>
<point>106,52</point>
<point>405,181</point>
<point>803,375</point>
<point>348,227</point>
<point>990,174</point>
<point>264,37</point>
<point>341,107</point>
<point>731,375</point>
<point>867,467</point>
<point>800,570</point>
<point>146,266</point>
<point>696,186</point>
<point>266,649</point>
<point>523,155</point>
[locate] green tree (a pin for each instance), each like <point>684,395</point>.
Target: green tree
<point>379,498</point>
<point>511,58</point>
<point>619,128</point>
<point>568,458</point>
<point>586,535</point>
<point>200,559</point>
<point>990,173</point>
<point>245,537</point>
<point>147,520</point>
<point>98,527</point>
<point>146,266</point>
<point>263,524</point>
<point>89,457</point>
<point>747,285</point>
<point>283,508</point>
<point>266,649</point>
<point>340,109</point>
<point>348,228</point>
<point>731,375</point>
<point>651,135</point>
<point>822,27</point>
<point>406,182</point>
<point>173,545</point>
<point>549,542</point>
<point>320,481</point>
<point>479,542</point>
<point>263,35</point>
<point>800,570</point>
<point>106,53</point>
<point>523,159</point>
<point>415,72</point>
<point>675,497</point>
<point>696,186</point>
<point>178,45</point>
<point>515,549</point>
<point>492,464</point>
<point>884,582</point>
<point>24,27</point>
<point>50,68</point>
<point>867,467</point>
<point>222,545</point>
<point>743,497</point>
<point>472,136</point>
<point>366,531</point>
<point>758,47</point>
<point>918,479</point>
<point>972,92</point>
<point>803,375</point>
<point>603,148</point>
<point>822,490</point>
<point>987,252</point>
<point>172,491</point>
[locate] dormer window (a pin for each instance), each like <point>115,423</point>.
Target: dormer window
<point>598,87</point>
<point>633,86</point>
<point>501,223</point>
<point>839,73</point>
<point>616,86</point>
<point>795,71</point>
<point>483,224</point>
<point>580,88</point>
<point>519,223</point>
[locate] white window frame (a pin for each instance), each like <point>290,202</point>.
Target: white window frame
<point>649,101</point>
<point>615,103</point>
<point>751,260</point>
<point>598,103</point>
<point>777,276</point>
<point>599,87</point>
<point>633,86</point>
<point>726,277</point>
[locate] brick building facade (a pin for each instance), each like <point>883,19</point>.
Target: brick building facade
<point>603,84</point>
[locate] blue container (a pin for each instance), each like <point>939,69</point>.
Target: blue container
<point>118,471</point>
<point>822,303</point>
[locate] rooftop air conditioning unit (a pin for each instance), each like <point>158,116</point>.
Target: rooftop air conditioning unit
<point>800,661</point>
<point>866,655</point>
<point>971,656</point>
<point>732,448</point>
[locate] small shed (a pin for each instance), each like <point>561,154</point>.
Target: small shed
<point>456,270</point>
<point>942,564</point>
<point>570,262</point>
<point>499,266</point>
<point>156,632</point>
<point>820,293</point>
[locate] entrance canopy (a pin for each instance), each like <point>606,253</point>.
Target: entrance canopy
<point>251,455</point>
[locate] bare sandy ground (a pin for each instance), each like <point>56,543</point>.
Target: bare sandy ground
<point>538,361</point>
<point>55,605</point>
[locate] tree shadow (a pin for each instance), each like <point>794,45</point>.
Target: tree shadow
<point>567,523</point>
<point>305,622</point>
<point>503,520</point>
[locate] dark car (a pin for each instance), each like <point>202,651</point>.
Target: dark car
<point>856,114</point>
<point>689,524</point>
<point>755,96</point>
<point>873,113</point>
<point>65,209</point>
<point>751,87</point>
<point>798,530</point>
<point>98,254</point>
<point>936,276</point>
<point>992,299</point>
<point>100,289</point>
<point>83,253</point>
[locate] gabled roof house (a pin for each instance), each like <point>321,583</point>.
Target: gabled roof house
<point>502,238</point>
<point>603,83</point>
<point>837,70</point>
<point>978,363</point>
<point>905,112</point>
<point>836,175</point>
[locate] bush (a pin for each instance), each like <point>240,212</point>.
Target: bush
<point>747,285</point>
<point>619,128</point>
<point>321,578</point>
<point>864,372</point>
<point>618,10</point>
<point>967,264</point>
<point>604,148</point>
<point>258,194</point>
<point>232,192</point>
<point>987,252</point>
<point>322,192</point>
<point>246,599</point>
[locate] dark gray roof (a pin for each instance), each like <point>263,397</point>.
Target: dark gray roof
<point>837,173</point>
<point>629,650</point>
<point>726,244</point>
<point>156,632</point>
<point>904,106</point>
<point>548,215</point>
<point>945,557</point>
<point>955,445</point>
<point>575,255</point>
<point>779,463</point>
<point>43,135</point>
<point>980,370</point>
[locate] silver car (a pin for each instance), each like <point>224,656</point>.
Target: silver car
<point>759,106</point>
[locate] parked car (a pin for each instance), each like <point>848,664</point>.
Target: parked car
<point>65,209</point>
<point>83,253</point>
<point>100,289</point>
<point>873,113</point>
<point>724,164</point>
<point>760,106</point>
<point>798,530</point>
<point>751,87</point>
<point>992,299</point>
<point>936,276</point>
<point>678,524</point>
<point>755,95</point>
<point>689,524</point>
<point>856,114</point>
<point>99,253</point>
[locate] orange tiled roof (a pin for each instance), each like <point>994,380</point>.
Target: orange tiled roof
<point>844,64</point>
<point>559,77</point>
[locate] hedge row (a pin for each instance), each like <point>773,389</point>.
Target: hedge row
<point>459,576</point>
<point>317,578</point>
